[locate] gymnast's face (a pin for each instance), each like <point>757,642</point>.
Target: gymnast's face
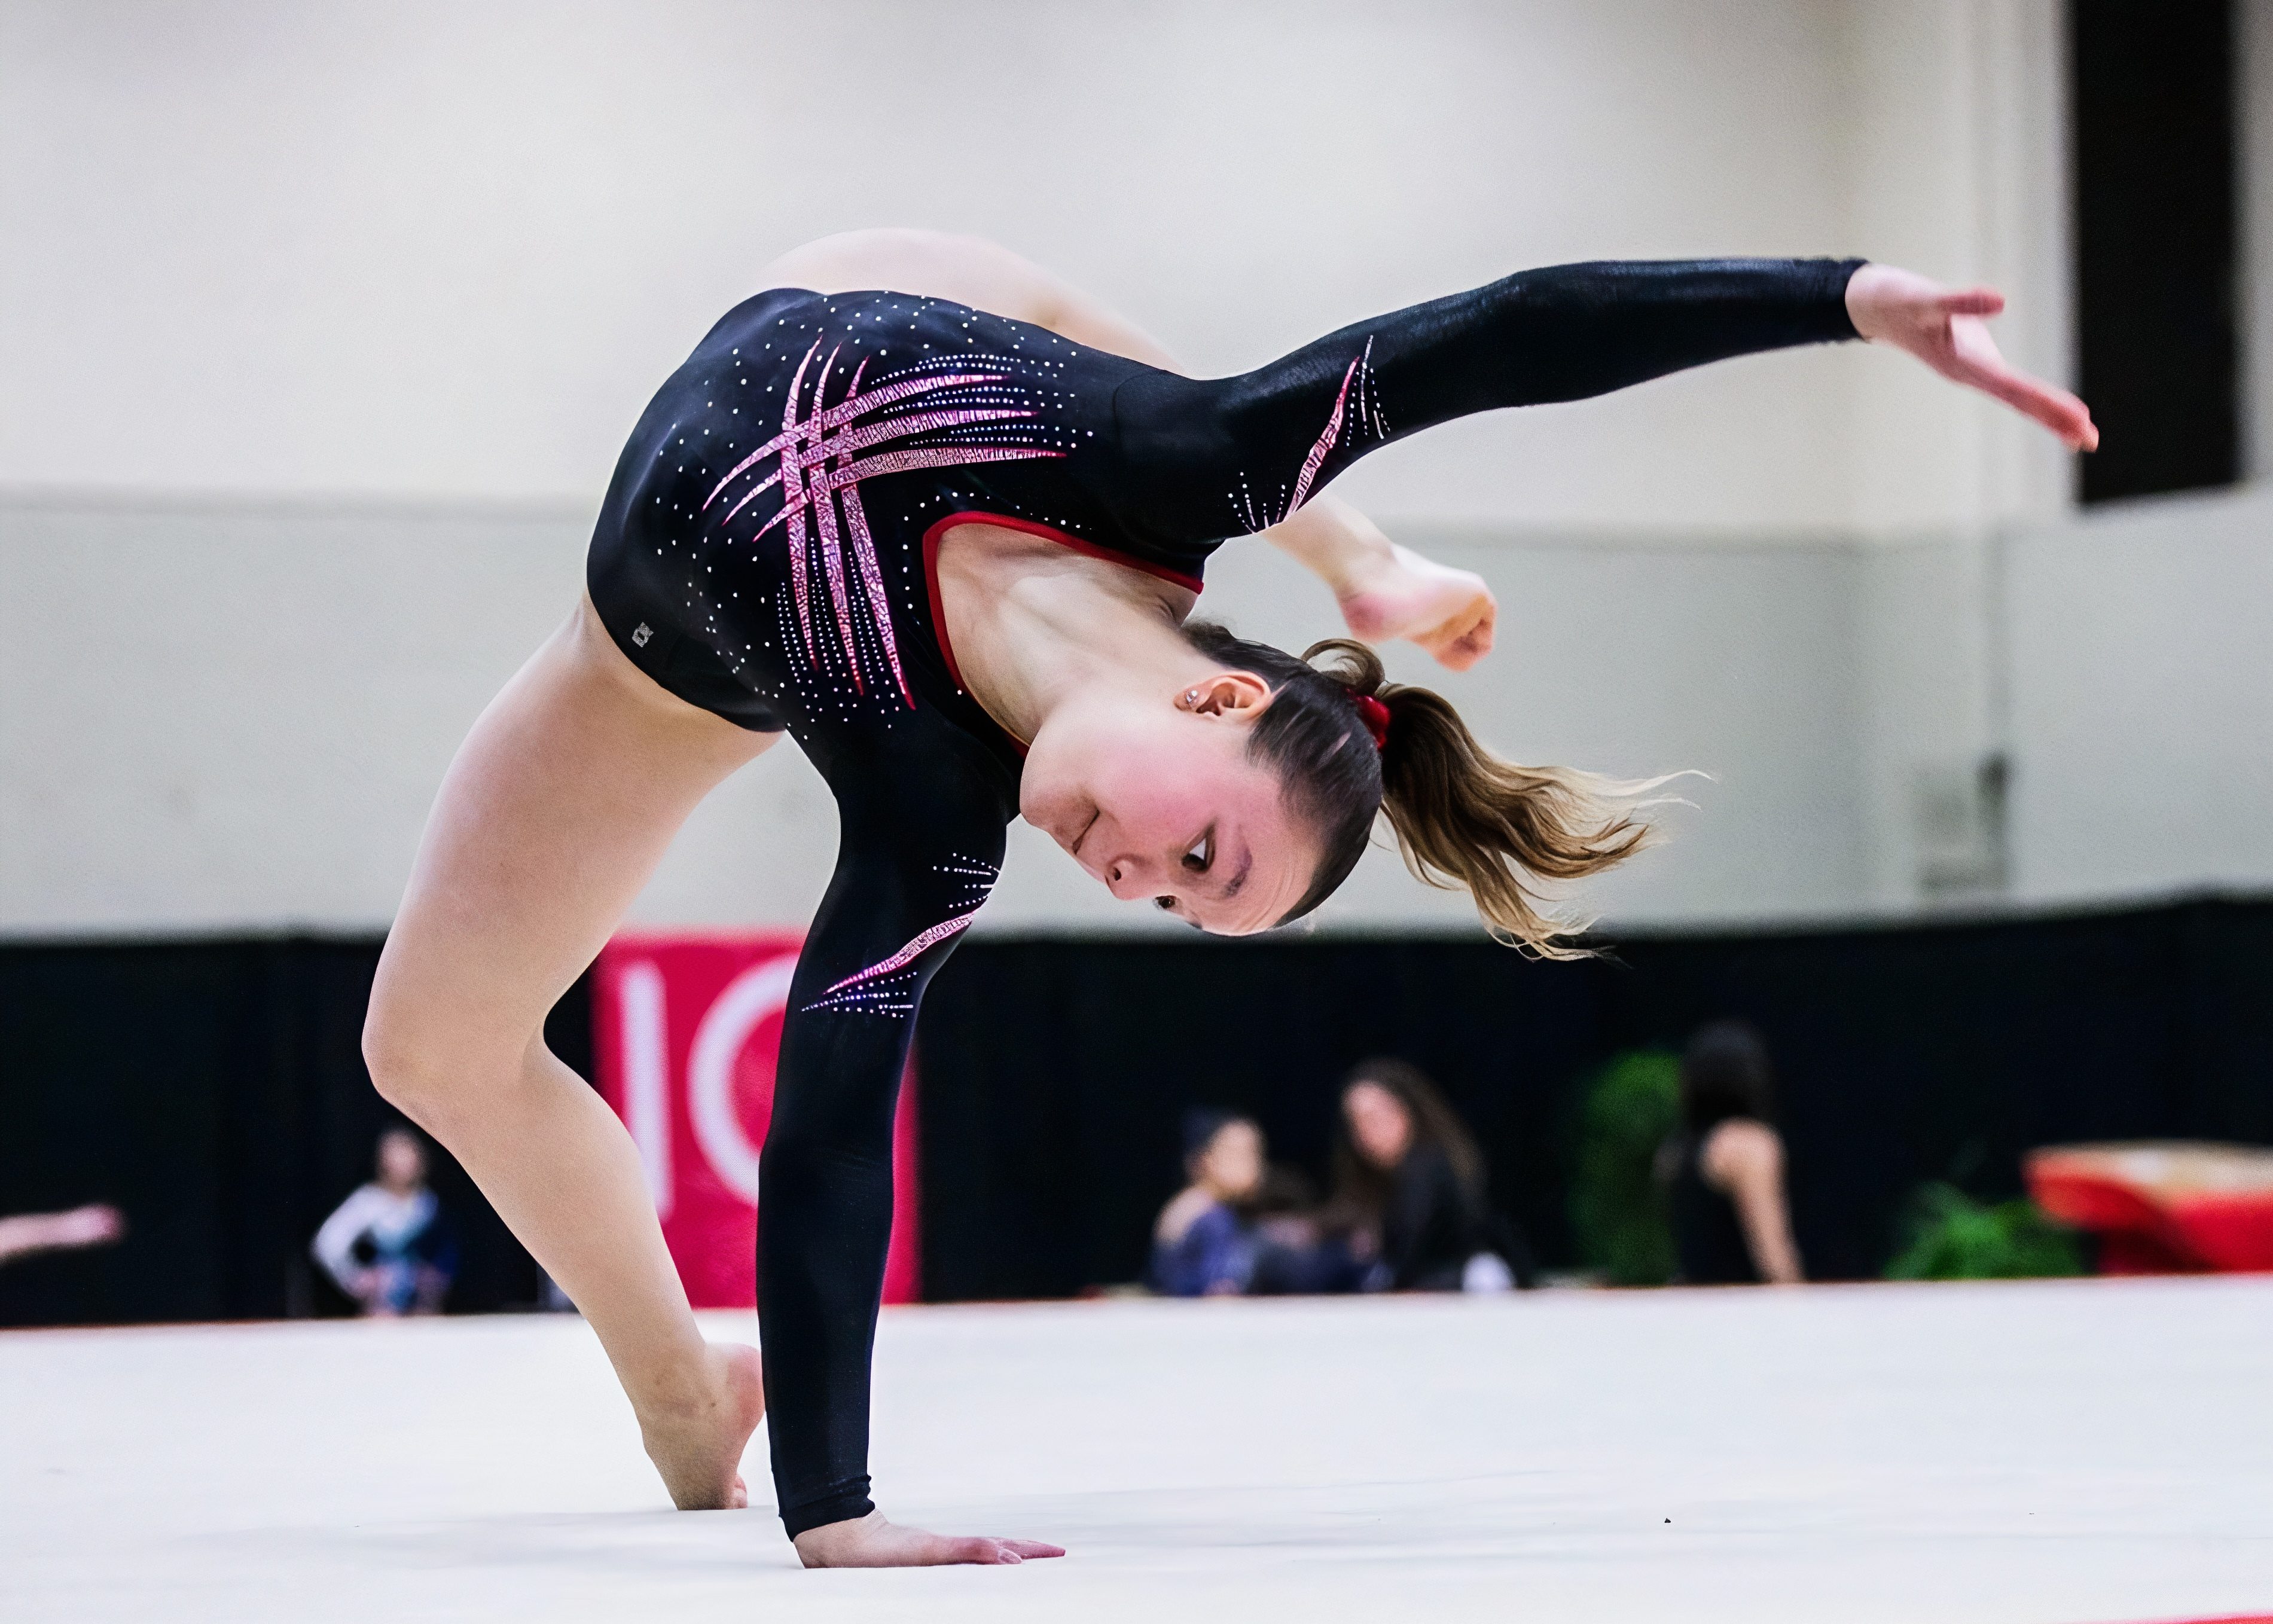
<point>1154,795</point>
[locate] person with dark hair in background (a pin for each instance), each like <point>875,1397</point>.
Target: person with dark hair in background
<point>1409,1181</point>
<point>389,1246</point>
<point>1731,1222</point>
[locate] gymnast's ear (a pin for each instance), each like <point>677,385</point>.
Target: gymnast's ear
<point>1227,695</point>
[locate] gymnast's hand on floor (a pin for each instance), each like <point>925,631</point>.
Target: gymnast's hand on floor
<point>1947,329</point>
<point>871,1542</point>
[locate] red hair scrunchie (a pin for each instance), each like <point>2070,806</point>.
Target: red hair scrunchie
<point>1374,714</point>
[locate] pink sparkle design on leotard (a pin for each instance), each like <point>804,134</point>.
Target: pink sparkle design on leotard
<point>820,468</point>
<point>885,986</point>
<point>832,550</point>
<point>793,504</point>
<point>1327,441</point>
<point>1255,513</point>
<point>864,552</point>
<point>918,945</point>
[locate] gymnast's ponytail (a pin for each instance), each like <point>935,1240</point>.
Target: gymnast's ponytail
<point>1348,743</point>
<point>1467,819</point>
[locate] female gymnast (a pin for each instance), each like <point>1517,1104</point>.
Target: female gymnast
<point>949,535</point>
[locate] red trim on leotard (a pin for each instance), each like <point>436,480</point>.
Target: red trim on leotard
<point>1088,550</point>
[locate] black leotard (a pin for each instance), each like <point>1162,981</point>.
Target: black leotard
<point>766,552</point>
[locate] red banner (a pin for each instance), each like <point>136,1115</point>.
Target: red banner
<point>685,1032</point>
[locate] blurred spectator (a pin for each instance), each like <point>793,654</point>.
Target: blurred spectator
<point>1239,1226</point>
<point>1204,1243</point>
<point>28,1233</point>
<point>389,1245</point>
<point>1409,1183</point>
<point>1731,1223</point>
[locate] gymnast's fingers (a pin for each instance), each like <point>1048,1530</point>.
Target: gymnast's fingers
<point>949,1551</point>
<point>1976,360</point>
<point>1029,1548</point>
<point>980,1551</point>
<point>1973,301</point>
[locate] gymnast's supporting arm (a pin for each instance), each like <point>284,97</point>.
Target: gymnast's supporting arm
<point>906,884</point>
<point>825,1183</point>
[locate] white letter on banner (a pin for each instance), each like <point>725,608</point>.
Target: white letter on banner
<point>757,993</point>
<point>647,1080</point>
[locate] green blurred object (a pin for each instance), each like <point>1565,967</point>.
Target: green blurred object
<point>1952,1237</point>
<point>1618,1208</point>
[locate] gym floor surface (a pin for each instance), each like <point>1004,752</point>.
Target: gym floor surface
<point>2090,1450</point>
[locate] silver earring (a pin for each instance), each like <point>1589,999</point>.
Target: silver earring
<point>1191,696</point>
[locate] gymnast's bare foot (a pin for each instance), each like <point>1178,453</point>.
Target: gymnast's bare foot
<point>697,1445</point>
<point>1449,612</point>
<point>871,1542</point>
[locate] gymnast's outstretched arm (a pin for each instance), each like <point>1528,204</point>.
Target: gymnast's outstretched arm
<point>1385,591</point>
<point>1203,457</point>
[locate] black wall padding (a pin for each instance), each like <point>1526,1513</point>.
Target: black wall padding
<point>215,1090</point>
<point>2157,298</point>
<point>1053,1073</point>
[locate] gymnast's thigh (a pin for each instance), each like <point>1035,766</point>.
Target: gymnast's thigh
<point>557,807</point>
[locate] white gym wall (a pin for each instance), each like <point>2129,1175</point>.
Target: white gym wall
<point>324,324</point>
